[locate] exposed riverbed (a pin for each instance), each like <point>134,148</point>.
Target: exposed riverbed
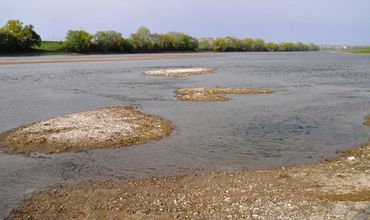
<point>317,109</point>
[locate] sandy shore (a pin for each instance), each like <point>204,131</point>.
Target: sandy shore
<point>336,189</point>
<point>183,72</point>
<point>214,94</point>
<point>107,127</point>
<point>100,59</point>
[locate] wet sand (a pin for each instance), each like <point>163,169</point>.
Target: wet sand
<point>99,59</point>
<point>214,94</point>
<point>338,188</point>
<point>182,72</point>
<point>107,127</point>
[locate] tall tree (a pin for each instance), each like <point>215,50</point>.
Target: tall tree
<point>206,43</point>
<point>78,41</point>
<point>248,44</point>
<point>259,45</point>
<point>109,41</point>
<point>19,37</point>
<point>142,39</point>
<point>272,47</point>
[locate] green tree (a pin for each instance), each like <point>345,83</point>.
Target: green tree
<point>272,47</point>
<point>164,42</point>
<point>78,41</point>
<point>109,41</point>
<point>300,46</point>
<point>259,45</point>
<point>228,44</point>
<point>142,40</point>
<point>7,42</point>
<point>219,45</point>
<point>184,42</point>
<point>313,47</point>
<point>248,44</point>
<point>206,44</point>
<point>18,37</point>
<point>128,45</point>
<point>233,44</point>
<point>286,46</point>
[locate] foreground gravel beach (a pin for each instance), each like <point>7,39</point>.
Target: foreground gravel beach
<point>335,189</point>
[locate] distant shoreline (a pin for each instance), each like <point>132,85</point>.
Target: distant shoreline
<point>128,57</point>
<point>99,59</point>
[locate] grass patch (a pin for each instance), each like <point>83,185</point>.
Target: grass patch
<point>362,50</point>
<point>51,47</point>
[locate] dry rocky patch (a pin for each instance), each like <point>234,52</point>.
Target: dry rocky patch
<point>107,127</point>
<point>180,72</point>
<point>214,94</point>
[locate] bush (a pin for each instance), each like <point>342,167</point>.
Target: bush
<point>78,41</point>
<point>183,42</point>
<point>272,47</point>
<point>248,44</point>
<point>206,44</point>
<point>142,40</point>
<point>14,36</point>
<point>259,45</point>
<point>109,41</point>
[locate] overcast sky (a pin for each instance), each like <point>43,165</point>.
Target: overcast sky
<point>317,21</point>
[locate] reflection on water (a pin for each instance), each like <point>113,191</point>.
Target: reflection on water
<point>318,109</point>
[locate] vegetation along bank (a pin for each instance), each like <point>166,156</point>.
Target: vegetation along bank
<point>15,37</point>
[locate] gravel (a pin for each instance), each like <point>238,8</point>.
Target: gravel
<point>107,127</point>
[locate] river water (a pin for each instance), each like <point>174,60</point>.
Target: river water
<point>318,109</point>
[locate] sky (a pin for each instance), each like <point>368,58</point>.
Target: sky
<point>309,21</point>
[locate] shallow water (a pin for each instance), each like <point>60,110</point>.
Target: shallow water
<point>318,109</point>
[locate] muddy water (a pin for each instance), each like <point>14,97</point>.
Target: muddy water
<point>318,109</point>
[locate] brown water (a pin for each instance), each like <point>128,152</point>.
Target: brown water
<point>318,109</point>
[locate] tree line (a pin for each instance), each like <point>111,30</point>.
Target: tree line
<point>140,41</point>
<point>15,36</point>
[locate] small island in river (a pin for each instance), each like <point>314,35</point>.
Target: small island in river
<point>181,72</point>
<point>107,127</point>
<point>214,94</point>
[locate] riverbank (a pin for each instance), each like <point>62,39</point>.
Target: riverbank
<point>101,59</point>
<point>338,188</point>
<point>363,50</point>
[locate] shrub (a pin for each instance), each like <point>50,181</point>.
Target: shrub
<point>14,36</point>
<point>78,41</point>
<point>109,41</point>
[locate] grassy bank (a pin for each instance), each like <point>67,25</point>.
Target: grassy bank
<point>50,47</point>
<point>362,50</point>
<point>46,48</point>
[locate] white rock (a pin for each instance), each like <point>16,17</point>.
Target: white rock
<point>351,158</point>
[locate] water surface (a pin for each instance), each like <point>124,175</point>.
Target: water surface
<point>318,109</point>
